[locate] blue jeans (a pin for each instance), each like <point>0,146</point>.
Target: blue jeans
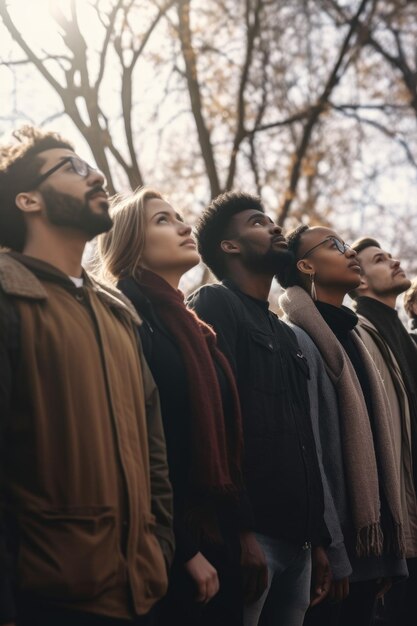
<point>286,599</point>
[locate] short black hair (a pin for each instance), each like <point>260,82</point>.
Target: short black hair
<point>290,275</point>
<point>213,225</point>
<point>364,242</point>
<point>19,167</point>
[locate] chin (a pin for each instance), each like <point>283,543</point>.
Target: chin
<point>192,258</point>
<point>353,283</point>
<point>192,263</point>
<point>402,285</point>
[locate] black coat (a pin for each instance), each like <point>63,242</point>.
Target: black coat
<point>280,461</point>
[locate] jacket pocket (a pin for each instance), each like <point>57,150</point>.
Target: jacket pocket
<point>68,553</point>
<point>266,371</point>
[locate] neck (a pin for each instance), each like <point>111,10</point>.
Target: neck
<point>388,299</point>
<point>255,285</point>
<point>333,298</point>
<point>172,277</point>
<point>62,250</point>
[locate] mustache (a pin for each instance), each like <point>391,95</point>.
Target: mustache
<point>92,192</point>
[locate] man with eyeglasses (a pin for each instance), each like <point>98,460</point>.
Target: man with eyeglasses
<point>395,355</point>
<point>86,510</point>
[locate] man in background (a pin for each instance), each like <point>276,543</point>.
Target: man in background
<point>395,355</point>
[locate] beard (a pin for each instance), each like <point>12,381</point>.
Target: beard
<point>271,262</point>
<point>66,211</point>
<point>395,289</point>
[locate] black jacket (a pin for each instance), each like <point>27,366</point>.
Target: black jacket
<point>280,467</point>
<point>168,369</point>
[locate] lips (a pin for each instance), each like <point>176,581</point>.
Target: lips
<point>355,266</point>
<point>398,271</point>
<point>97,192</point>
<point>280,240</point>
<point>98,195</point>
<point>188,242</point>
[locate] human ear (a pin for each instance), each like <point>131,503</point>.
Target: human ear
<point>229,246</point>
<point>305,267</point>
<point>28,201</point>
<point>363,285</point>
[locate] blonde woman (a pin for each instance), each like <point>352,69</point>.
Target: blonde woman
<point>146,253</point>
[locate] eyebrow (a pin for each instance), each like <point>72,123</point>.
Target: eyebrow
<point>257,216</point>
<point>66,158</point>
<point>381,254</point>
<point>168,214</point>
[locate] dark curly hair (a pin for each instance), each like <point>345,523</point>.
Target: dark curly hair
<point>290,275</point>
<point>214,223</point>
<point>20,164</point>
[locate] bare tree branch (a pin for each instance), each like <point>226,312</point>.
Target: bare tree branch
<point>109,32</point>
<point>315,113</point>
<point>27,49</point>
<point>252,31</point>
<point>391,134</point>
<point>191,73</point>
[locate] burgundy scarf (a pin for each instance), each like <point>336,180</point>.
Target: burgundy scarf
<point>216,438</point>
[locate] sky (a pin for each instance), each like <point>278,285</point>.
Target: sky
<point>26,97</point>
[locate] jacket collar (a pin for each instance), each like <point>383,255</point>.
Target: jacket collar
<point>21,276</point>
<point>18,280</point>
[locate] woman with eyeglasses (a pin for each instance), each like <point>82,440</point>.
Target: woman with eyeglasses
<point>355,429</point>
<point>147,251</point>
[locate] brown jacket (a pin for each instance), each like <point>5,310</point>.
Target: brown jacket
<point>84,469</point>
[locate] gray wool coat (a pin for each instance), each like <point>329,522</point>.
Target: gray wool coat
<point>326,429</point>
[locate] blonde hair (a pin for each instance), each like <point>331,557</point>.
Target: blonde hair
<point>410,297</point>
<point>120,250</point>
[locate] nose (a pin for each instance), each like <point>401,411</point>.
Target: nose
<point>275,229</point>
<point>184,229</point>
<point>395,263</point>
<point>95,177</point>
<point>349,252</point>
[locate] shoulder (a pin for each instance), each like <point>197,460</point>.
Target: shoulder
<point>115,299</point>
<point>284,326</point>
<point>214,292</point>
<point>305,342</point>
<point>369,335</point>
<point>364,323</point>
<point>309,349</point>
<point>17,280</point>
<point>212,298</point>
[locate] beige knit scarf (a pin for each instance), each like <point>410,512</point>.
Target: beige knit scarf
<point>361,449</point>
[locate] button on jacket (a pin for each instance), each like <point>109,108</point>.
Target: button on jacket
<point>280,461</point>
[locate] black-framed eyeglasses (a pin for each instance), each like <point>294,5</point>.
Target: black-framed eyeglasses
<point>79,166</point>
<point>341,246</point>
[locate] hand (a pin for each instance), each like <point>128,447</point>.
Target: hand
<point>339,590</point>
<point>205,577</point>
<point>254,568</point>
<point>384,585</point>
<point>321,576</point>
